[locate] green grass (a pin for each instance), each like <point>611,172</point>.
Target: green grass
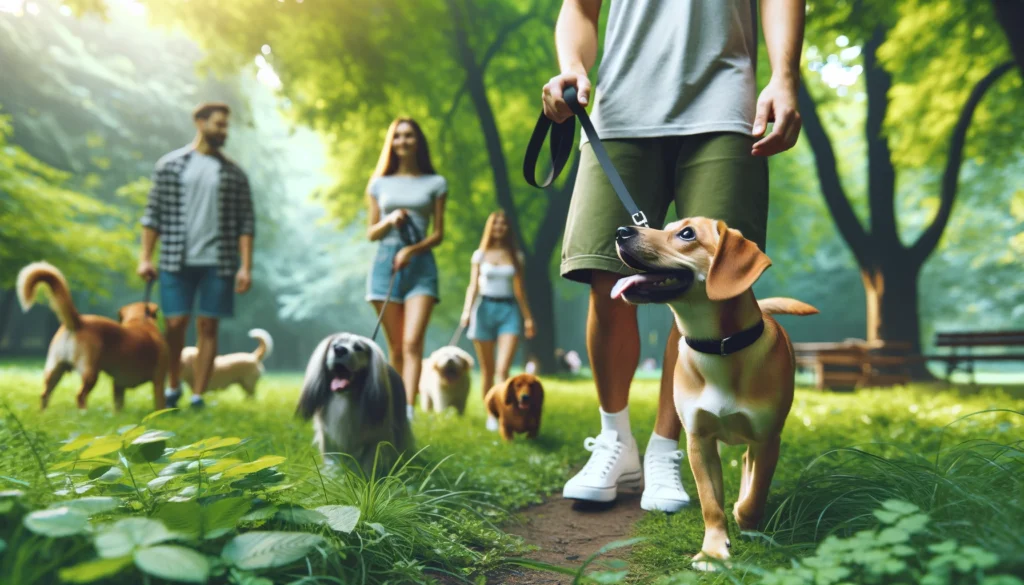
<point>843,454</point>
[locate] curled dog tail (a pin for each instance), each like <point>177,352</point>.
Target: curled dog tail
<point>37,273</point>
<point>266,346</point>
<point>784,306</point>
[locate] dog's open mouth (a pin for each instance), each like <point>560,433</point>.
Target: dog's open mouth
<point>342,378</point>
<point>653,287</point>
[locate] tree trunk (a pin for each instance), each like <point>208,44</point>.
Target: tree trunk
<point>6,303</point>
<point>1010,16</point>
<point>893,309</point>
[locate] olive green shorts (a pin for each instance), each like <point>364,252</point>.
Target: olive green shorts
<point>709,175</point>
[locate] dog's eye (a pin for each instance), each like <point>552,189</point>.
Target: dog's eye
<point>687,234</point>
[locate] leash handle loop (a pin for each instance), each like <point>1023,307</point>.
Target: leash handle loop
<point>562,136</point>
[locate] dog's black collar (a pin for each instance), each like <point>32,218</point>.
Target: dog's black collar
<point>730,344</point>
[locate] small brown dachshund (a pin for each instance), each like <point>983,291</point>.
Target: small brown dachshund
<point>516,403</point>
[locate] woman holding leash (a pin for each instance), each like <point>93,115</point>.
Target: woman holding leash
<point>405,196</point>
<point>496,310</point>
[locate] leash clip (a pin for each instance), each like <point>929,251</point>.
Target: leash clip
<point>640,219</point>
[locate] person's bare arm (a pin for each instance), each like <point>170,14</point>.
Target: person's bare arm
<point>519,287</point>
<point>576,38</point>
<point>471,290</point>
<point>783,24</point>
<point>432,241</point>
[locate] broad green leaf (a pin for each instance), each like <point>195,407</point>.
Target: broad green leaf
<point>265,550</point>
<point>174,563</point>
<point>132,434</point>
<point>180,517</point>
<point>158,483</point>
<point>176,468</point>
<point>223,515</point>
<point>944,547</point>
<point>260,479</point>
<point>124,536</point>
<point>153,437</point>
<point>97,472</point>
<point>147,452</point>
<point>56,522</point>
<point>222,443</point>
<point>112,475</point>
<point>886,517</point>
<point>222,465</point>
<point>95,570</point>
<point>900,507</point>
<point>156,413</point>
<point>77,443</point>
<point>262,463</point>
<point>294,514</point>
<point>204,463</point>
<point>913,524</point>
<point>102,446</point>
<point>893,535</point>
<point>94,505</point>
<point>341,518</point>
<point>260,514</point>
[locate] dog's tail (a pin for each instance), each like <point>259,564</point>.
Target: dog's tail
<point>39,273</point>
<point>266,346</point>
<point>784,306</point>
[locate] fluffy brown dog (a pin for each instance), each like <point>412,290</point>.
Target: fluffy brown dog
<point>239,368</point>
<point>517,404</point>
<point>132,352</point>
<point>733,379</point>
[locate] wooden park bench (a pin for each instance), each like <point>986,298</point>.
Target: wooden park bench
<point>855,363</point>
<point>1004,346</point>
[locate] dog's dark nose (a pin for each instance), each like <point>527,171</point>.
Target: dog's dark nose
<point>524,398</point>
<point>340,350</point>
<point>624,233</point>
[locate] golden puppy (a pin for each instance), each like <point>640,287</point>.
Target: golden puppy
<point>445,379</point>
<point>735,374</point>
<point>132,352</point>
<point>516,403</point>
<point>239,368</point>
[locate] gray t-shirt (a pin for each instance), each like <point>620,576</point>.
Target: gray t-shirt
<point>677,67</point>
<point>200,181</point>
<point>416,195</point>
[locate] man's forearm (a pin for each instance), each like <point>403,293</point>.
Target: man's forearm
<point>783,24</point>
<point>576,35</point>
<point>149,238</point>
<point>245,251</point>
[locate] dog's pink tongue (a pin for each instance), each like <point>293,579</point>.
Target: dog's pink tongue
<point>624,283</point>
<point>338,384</point>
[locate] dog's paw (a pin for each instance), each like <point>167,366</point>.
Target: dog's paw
<point>714,553</point>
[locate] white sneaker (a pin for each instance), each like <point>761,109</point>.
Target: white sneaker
<point>663,490</point>
<point>613,463</point>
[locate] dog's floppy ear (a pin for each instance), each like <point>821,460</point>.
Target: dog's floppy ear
<point>316,389</point>
<point>510,395</point>
<point>737,265</point>
<point>375,400</point>
<point>464,356</point>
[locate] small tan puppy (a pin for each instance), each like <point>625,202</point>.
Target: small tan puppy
<point>445,379</point>
<point>132,352</point>
<point>517,404</point>
<point>239,368</point>
<point>734,376</point>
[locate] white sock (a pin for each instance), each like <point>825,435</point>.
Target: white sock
<point>659,444</point>
<point>409,411</point>
<point>172,390</point>
<point>492,423</point>
<point>618,422</point>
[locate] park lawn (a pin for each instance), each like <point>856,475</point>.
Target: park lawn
<point>811,494</point>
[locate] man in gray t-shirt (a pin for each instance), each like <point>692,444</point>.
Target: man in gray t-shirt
<point>676,105</point>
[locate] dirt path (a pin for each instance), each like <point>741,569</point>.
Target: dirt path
<point>567,532</point>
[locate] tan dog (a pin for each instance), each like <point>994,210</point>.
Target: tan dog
<point>239,368</point>
<point>517,404</point>
<point>734,377</point>
<point>132,352</point>
<point>445,379</point>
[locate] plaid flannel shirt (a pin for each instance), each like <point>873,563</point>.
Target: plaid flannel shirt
<point>165,212</point>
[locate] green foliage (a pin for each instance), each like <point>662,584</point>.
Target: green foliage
<point>45,220</point>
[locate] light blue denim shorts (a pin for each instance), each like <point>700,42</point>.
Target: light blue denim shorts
<point>493,317</point>
<point>418,278</point>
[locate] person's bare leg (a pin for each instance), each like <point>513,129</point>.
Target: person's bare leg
<point>485,356</point>
<point>667,423</point>
<point>613,342</point>
<point>206,334</point>
<point>394,328</point>
<point>417,316</point>
<point>507,344</point>
<point>176,329</point>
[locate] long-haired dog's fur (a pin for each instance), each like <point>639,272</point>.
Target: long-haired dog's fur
<point>132,352</point>
<point>517,403</point>
<point>445,379</point>
<point>356,400</point>
<point>239,368</point>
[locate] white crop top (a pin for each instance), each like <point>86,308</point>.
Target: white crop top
<point>496,279</point>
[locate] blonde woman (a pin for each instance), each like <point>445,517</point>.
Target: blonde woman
<point>496,310</point>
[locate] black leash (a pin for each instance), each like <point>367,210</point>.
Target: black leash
<point>145,297</point>
<point>562,136</point>
<point>409,236</point>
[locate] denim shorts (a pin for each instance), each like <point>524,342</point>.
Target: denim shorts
<point>492,317</point>
<point>178,292</point>
<point>419,277</point>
